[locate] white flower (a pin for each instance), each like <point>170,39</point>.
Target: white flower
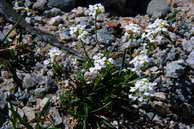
<point>95,10</point>
<point>140,61</point>
<point>142,90</point>
<point>98,56</point>
<point>111,61</point>
<point>53,52</point>
<point>93,70</point>
<point>77,30</point>
<point>82,35</point>
<point>115,124</point>
<point>100,62</point>
<point>133,29</point>
<point>152,31</point>
<point>158,23</point>
<point>46,62</point>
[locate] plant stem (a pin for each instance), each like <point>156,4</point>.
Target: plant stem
<point>95,24</point>
<point>123,59</point>
<point>86,54</point>
<point>12,29</point>
<point>96,29</point>
<point>15,77</point>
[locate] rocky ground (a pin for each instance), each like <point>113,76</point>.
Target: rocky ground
<point>157,46</point>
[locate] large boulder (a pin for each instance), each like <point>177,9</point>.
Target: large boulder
<point>65,5</point>
<point>39,4</point>
<point>119,7</point>
<point>126,7</point>
<point>158,8</point>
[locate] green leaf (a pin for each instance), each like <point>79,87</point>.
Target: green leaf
<point>107,123</point>
<point>45,110</point>
<point>54,128</point>
<point>21,120</point>
<point>96,110</point>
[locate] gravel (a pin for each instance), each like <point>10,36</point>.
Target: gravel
<point>171,63</point>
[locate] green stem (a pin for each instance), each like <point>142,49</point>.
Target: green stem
<point>101,107</point>
<point>86,54</point>
<point>123,59</point>
<point>95,24</point>
<point>12,29</point>
<point>14,74</point>
<point>96,28</point>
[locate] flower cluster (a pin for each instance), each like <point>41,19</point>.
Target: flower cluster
<point>53,52</point>
<point>142,90</point>
<point>152,32</point>
<point>133,30</point>
<point>159,25</point>
<point>95,10</point>
<point>140,62</point>
<point>79,32</point>
<point>83,35</point>
<point>100,62</point>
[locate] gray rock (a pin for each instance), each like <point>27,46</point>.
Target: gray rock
<point>7,85</point>
<point>182,28</point>
<point>183,126</point>
<point>29,113</point>
<point>160,57</point>
<point>65,35</point>
<point>42,103</point>
<point>21,95</point>
<point>7,125</point>
<point>56,116</point>
<point>132,43</point>
<point>6,74</point>
<point>192,126</point>
<point>39,5</point>
<point>84,22</point>
<point>66,5</point>
<point>105,37</point>
<point>53,12</point>
<point>2,101</point>
<point>38,18</point>
<point>1,35</point>
<point>1,80</point>
<point>186,111</point>
<point>190,60</point>
<point>158,8</point>
<point>175,69</point>
<point>51,85</point>
<point>188,45</point>
<point>161,96</point>
<point>89,40</point>
<point>28,3</point>
<point>183,89</point>
<point>171,55</point>
<point>28,20</point>
<point>39,66</point>
<point>45,85</point>
<point>32,100</point>
<point>161,108</point>
<point>55,20</point>
<point>3,109</point>
<point>40,92</point>
<point>29,81</point>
